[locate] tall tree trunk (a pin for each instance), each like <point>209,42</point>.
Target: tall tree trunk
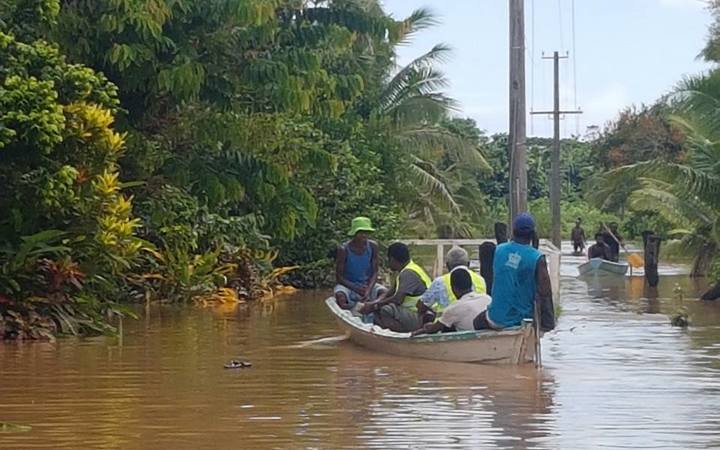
<point>702,261</point>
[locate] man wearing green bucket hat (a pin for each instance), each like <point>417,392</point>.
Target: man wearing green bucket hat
<point>356,266</point>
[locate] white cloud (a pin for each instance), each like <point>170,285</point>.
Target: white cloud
<point>690,4</point>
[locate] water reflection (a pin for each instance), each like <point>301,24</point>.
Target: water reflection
<point>441,405</point>
<point>617,375</point>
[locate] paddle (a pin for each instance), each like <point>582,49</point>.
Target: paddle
<point>633,258</point>
<point>536,324</point>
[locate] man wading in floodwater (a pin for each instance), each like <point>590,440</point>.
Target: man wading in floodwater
<point>521,281</point>
<point>356,267</point>
<point>577,236</point>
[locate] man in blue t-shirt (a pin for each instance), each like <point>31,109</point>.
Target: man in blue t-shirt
<point>520,281</point>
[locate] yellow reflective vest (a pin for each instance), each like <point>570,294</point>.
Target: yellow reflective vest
<point>477,281</point>
<point>410,302</point>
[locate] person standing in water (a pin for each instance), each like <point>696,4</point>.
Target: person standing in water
<point>356,267</point>
<point>520,277</point>
<point>577,236</point>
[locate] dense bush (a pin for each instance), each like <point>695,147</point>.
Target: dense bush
<point>67,229</point>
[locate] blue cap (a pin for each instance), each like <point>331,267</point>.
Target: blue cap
<point>524,223</point>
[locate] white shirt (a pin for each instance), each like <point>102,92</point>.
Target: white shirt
<point>462,313</point>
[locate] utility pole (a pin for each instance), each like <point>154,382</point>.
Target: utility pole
<point>555,177</point>
<point>516,136</point>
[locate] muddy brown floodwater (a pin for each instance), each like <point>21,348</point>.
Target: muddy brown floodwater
<point>616,375</point>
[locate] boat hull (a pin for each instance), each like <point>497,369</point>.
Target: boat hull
<point>600,266</point>
<point>513,346</point>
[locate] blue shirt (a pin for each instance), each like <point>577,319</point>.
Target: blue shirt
<point>358,268</point>
<point>513,290</point>
<point>436,293</point>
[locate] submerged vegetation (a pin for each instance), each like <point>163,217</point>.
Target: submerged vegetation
<point>203,152</point>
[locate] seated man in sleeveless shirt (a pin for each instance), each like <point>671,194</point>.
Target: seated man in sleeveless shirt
<point>440,294</point>
<point>397,309</point>
<point>356,267</point>
<point>460,314</point>
<point>521,282</point>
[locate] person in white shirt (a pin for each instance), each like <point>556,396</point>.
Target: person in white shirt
<point>439,295</point>
<point>460,315</point>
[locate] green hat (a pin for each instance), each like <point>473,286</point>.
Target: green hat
<point>360,224</point>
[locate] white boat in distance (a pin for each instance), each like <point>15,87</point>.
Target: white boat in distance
<point>601,266</point>
<point>510,346</point>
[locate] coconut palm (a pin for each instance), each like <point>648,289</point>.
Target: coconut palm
<point>686,193</point>
<point>413,104</point>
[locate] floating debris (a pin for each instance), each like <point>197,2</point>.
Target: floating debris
<point>235,364</point>
<point>680,319</point>
<point>678,292</point>
<point>6,427</point>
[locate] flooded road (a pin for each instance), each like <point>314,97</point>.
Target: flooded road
<point>616,375</point>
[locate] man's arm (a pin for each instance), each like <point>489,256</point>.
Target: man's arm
<point>429,328</point>
<point>375,265</point>
<point>407,282</point>
<point>543,296</point>
<point>431,296</point>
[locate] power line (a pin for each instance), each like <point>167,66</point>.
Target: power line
<point>560,24</point>
<point>532,65</point>
<point>555,176</point>
<point>574,68</point>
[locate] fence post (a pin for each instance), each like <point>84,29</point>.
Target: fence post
<point>487,256</point>
<point>652,256</point>
<point>439,261</point>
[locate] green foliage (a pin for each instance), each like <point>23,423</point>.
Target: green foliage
<point>575,166</point>
<point>360,186</point>
<point>67,230</point>
<point>714,274</point>
<point>570,210</point>
<point>682,191</point>
<point>27,19</point>
<point>639,134</point>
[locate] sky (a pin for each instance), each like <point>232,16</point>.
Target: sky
<point>626,52</point>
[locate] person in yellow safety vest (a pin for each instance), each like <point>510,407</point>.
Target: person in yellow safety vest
<point>397,309</point>
<point>460,316</point>
<point>440,294</point>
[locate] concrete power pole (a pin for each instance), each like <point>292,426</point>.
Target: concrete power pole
<point>516,137</point>
<point>555,176</point>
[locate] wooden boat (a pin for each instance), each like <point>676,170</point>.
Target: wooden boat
<point>601,266</point>
<point>511,346</point>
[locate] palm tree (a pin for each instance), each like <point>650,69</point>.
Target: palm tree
<point>686,193</point>
<point>413,105</point>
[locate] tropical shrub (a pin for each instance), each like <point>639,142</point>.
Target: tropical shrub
<point>68,233</point>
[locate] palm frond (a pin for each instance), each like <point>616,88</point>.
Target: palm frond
<point>672,208</point>
<point>420,19</point>
<point>419,110</point>
<point>428,142</point>
<point>431,179</point>
<point>418,77</point>
<point>694,182</point>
